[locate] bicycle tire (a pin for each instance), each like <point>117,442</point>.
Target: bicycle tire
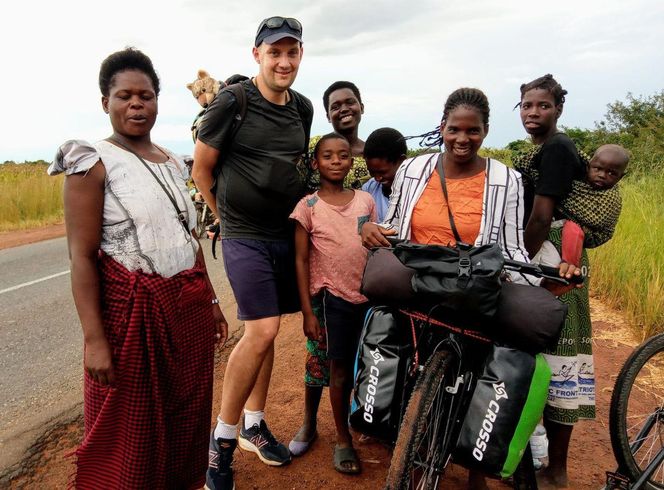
<point>621,430</point>
<point>424,439</point>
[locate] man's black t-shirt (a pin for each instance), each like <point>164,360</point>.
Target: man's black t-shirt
<point>558,165</point>
<point>259,183</point>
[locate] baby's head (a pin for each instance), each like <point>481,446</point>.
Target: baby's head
<point>607,166</point>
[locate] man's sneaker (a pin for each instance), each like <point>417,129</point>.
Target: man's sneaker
<point>219,474</point>
<point>258,439</point>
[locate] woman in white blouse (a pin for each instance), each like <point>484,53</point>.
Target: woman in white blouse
<point>148,312</point>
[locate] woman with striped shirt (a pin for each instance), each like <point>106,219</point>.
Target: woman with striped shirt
<point>484,195</point>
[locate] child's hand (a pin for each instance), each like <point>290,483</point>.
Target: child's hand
<point>311,327</point>
<point>566,271</point>
<point>374,236</point>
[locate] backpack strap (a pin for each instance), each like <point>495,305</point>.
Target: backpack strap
<point>196,124</point>
<point>240,113</point>
<point>306,116</point>
<point>305,110</point>
<point>241,99</point>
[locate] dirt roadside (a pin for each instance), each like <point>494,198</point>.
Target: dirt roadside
<point>9,239</point>
<point>591,453</point>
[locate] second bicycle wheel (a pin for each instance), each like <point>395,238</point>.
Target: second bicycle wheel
<point>636,418</point>
<point>425,436</point>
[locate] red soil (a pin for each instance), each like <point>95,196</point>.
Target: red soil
<point>9,239</point>
<point>590,454</point>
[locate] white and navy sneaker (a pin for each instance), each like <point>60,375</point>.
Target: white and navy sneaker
<point>258,439</point>
<point>219,474</point>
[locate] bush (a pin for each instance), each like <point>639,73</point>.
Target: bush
<point>503,155</point>
<point>637,125</point>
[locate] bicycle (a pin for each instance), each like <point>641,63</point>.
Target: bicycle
<point>636,419</point>
<point>441,382</point>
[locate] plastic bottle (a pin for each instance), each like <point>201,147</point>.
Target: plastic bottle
<point>539,445</point>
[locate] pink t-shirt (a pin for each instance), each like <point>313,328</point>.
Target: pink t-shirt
<point>336,255</point>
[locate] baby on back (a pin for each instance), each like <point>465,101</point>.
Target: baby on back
<point>592,208</point>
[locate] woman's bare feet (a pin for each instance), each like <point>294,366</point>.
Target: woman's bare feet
<point>551,480</point>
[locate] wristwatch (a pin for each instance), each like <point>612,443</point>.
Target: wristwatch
<point>215,301</point>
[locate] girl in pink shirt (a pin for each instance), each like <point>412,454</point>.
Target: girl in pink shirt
<point>329,261</point>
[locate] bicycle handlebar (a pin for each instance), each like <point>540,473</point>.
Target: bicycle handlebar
<point>543,271</point>
<point>539,271</point>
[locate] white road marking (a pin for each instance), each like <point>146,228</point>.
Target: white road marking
<point>30,283</point>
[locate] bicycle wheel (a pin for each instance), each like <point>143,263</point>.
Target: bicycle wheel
<point>425,436</point>
<point>636,418</point>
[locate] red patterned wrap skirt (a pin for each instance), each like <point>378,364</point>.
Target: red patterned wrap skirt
<point>151,429</point>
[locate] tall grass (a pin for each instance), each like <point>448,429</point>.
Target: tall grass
<point>628,271</point>
<point>28,197</point>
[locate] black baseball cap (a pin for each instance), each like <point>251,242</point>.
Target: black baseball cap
<point>274,29</point>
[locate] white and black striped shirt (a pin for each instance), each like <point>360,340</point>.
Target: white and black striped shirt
<point>502,206</point>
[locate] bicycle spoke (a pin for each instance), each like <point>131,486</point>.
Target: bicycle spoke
<point>426,427</point>
<point>428,447</point>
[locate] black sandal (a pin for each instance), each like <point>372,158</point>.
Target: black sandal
<point>346,455</point>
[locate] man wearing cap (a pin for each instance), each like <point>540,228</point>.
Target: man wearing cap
<point>256,189</point>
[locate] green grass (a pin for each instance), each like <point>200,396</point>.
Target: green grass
<point>628,271</point>
<point>28,197</point>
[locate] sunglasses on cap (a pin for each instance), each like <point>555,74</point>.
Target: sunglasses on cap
<point>277,22</point>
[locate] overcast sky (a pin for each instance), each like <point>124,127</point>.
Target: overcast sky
<point>405,56</point>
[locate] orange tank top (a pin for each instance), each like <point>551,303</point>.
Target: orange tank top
<point>430,223</point>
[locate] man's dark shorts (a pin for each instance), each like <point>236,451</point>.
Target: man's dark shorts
<point>262,276</point>
<point>343,324</point>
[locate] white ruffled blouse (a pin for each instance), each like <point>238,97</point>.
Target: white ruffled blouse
<point>140,228</point>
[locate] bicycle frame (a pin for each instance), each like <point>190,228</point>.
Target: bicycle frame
<point>469,349</point>
<point>435,335</point>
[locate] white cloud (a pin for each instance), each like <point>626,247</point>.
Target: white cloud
<point>405,57</point>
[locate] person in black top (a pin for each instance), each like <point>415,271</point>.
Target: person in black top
<point>557,165</point>
<point>256,189</point>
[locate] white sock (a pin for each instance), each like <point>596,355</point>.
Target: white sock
<point>224,430</point>
<point>252,418</point>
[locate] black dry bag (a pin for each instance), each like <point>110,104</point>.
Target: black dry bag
<point>507,404</point>
<point>464,280</point>
<point>380,369</point>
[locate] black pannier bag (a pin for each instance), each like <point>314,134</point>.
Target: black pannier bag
<point>464,279</point>
<point>382,360</point>
<point>507,404</point>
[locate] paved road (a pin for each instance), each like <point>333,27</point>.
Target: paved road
<point>41,341</point>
